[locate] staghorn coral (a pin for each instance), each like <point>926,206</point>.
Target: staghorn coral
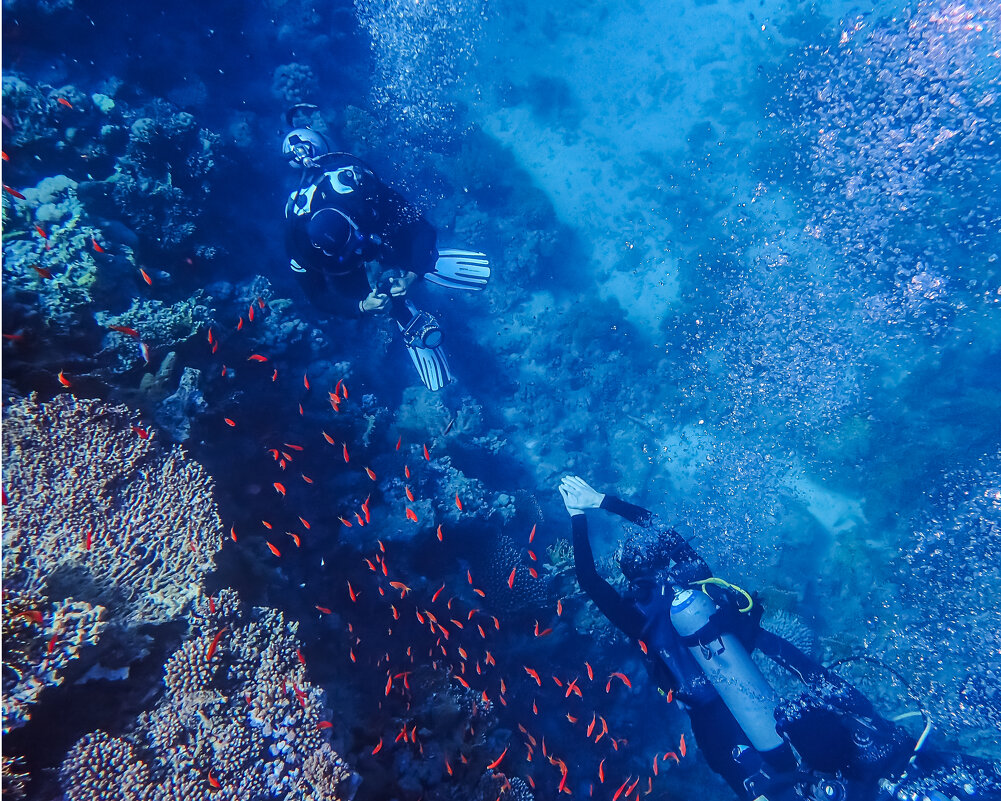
<point>103,509</point>
<point>248,717</point>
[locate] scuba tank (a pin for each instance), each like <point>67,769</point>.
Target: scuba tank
<point>727,665</point>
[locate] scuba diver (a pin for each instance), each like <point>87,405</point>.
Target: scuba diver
<point>349,233</point>
<point>826,744</point>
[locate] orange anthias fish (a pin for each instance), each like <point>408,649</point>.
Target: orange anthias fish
<point>370,473</point>
<point>274,550</point>
<point>63,379</point>
<point>497,761</point>
<point>124,329</point>
<point>213,781</point>
<point>145,276</point>
<point>64,102</point>
<point>458,502</point>
<point>215,643</point>
<point>279,488</point>
<point>622,677</point>
<point>257,357</point>
<point>42,271</point>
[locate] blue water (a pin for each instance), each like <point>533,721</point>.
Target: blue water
<point>745,273</point>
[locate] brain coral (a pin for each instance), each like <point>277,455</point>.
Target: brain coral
<point>117,517</point>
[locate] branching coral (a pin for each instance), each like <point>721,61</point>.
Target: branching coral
<point>237,708</point>
<point>87,495</point>
<point>101,525</point>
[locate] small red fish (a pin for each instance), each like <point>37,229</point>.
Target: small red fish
<point>63,379</point>
<point>622,677</point>
<point>260,303</point>
<point>533,674</point>
<point>437,593</point>
<point>410,495</point>
<point>239,324</point>
<point>497,761</point>
<point>682,748</point>
<point>352,594</point>
<point>427,455</point>
<point>346,457</point>
<point>274,375</point>
<point>13,192</point>
<point>305,381</point>
<point>257,357</point>
<point>461,681</point>
<point>215,643</point>
<point>531,536</point>
<point>211,605</point>
<point>559,607</point>
<point>370,474</point>
<point>412,515</point>
<point>510,584</point>
<point>124,329</point>
<point>458,502</point>
<point>232,533</point>
<point>305,523</point>
<point>41,231</point>
<point>440,536</point>
<point>266,525</point>
<point>590,672</point>
<point>324,724</point>
<point>279,488</point>
<point>643,647</point>
<point>274,550</point>
<point>399,442</point>
<point>250,313</point>
<point>229,422</point>
<point>213,781</point>
<point>42,271</point>
<point>145,276</point>
<point>63,101</point>
<point>324,610</point>
<point>142,433</point>
<point>406,471</point>
<point>90,539</point>
<point>96,245</point>
<point>378,748</point>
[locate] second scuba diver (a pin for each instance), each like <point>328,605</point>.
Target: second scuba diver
<point>350,234</point>
<point>826,744</point>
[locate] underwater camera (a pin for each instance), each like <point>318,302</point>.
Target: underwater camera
<point>422,330</point>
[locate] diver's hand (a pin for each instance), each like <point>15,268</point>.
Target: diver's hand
<point>376,301</point>
<point>398,286</point>
<point>578,495</point>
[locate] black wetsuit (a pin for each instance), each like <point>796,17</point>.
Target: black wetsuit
<point>716,731</point>
<point>836,731</point>
<point>390,231</point>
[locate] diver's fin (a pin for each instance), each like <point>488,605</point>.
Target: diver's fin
<point>432,366</point>
<point>460,269</point>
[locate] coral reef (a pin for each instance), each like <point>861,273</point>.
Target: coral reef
<point>101,525</point>
<point>40,640</point>
<point>293,83</point>
<point>236,693</point>
<point>89,495</point>
<point>163,179</point>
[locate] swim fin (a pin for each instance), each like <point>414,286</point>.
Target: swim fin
<point>460,269</point>
<point>431,364</point>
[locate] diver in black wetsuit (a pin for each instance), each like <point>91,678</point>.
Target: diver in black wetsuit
<point>349,233</point>
<point>826,744</point>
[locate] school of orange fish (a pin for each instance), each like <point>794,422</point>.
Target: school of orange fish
<point>448,635</point>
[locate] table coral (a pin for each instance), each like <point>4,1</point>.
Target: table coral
<point>89,497</point>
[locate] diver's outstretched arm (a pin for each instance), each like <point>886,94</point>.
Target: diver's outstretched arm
<point>577,496</point>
